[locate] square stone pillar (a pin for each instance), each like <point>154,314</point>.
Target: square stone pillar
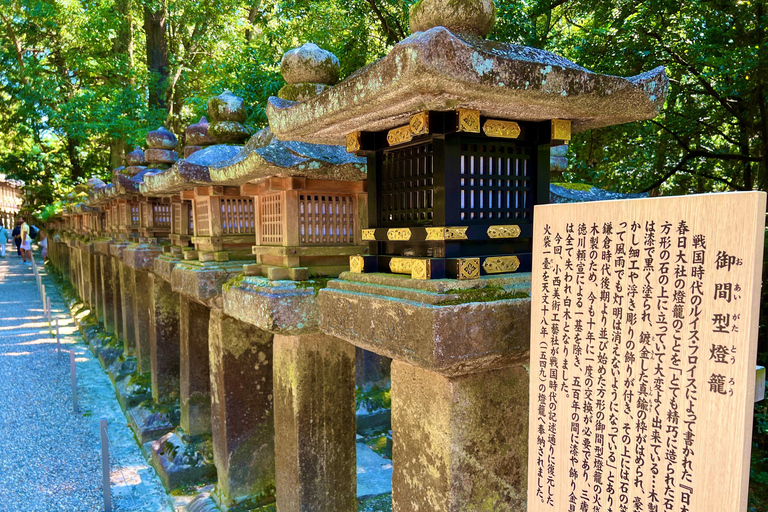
<point>164,340</point>
<point>85,275</point>
<point>117,297</point>
<point>127,286</point>
<point>460,443</point>
<point>195,380</point>
<point>142,301</point>
<point>242,417</point>
<point>96,297</point>
<point>314,387</point>
<point>107,294</point>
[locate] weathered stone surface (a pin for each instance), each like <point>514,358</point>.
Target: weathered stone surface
<point>148,425</point>
<point>314,386</point>
<point>230,131</point>
<point>197,134</point>
<point>264,156</point>
<point>141,256</point>
<point>135,157</point>
<point>117,302</point>
<point>108,286</point>
<point>438,70</point>
<point>180,463</point>
<point>301,92</point>
<point>310,64</point>
<point>203,281</point>
<point>160,139</point>
<point>161,156</point>
<point>226,107</point>
<point>583,193</point>
<point>461,442</point>
<point>242,413</point>
<point>275,306</point>
<point>475,17</point>
<point>164,266</point>
<point>182,176</point>
<point>214,154</point>
<point>451,340</point>
<point>195,392</point>
<point>164,340</point>
<point>127,291</point>
<point>190,150</point>
<point>142,301</point>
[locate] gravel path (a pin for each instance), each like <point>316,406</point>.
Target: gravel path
<point>49,457</point>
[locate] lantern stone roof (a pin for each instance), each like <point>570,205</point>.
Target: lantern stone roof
<point>441,70</point>
<point>263,156</point>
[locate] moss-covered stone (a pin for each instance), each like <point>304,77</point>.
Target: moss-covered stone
<point>475,17</point>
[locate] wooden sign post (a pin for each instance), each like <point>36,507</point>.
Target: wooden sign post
<point>644,341</point>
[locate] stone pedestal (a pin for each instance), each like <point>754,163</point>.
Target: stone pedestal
<point>242,413</point>
<point>107,294</point>
<point>127,286</point>
<point>314,387</point>
<point>142,299</point>
<point>164,340</point>
<point>460,443</point>
<point>117,297</point>
<point>195,380</point>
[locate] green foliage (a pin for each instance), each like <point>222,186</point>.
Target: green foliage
<point>484,294</point>
<point>375,399</point>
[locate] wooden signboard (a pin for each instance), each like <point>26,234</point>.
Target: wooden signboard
<point>644,341</point>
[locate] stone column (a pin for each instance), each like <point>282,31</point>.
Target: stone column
<point>127,285</point>
<point>195,380</point>
<point>96,296</point>
<point>142,300</point>
<point>85,275</point>
<point>460,443</point>
<point>314,386</point>
<point>107,294</point>
<point>164,339</point>
<point>241,411</point>
<point>117,297</point>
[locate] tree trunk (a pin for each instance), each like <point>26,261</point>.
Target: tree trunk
<point>157,55</point>
<point>77,168</point>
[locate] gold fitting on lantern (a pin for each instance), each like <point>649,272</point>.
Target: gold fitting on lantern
<point>399,234</point>
<point>354,143</point>
<point>501,264</point>
<point>501,129</point>
<point>503,231</point>
<point>421,269</point>
<point>561,130</point>
<point>356,264</point>
<point>399,135</point>
<point>420,123</point>
<point>459,233</point>
<point>401,265</point>
<point>369,235</point>
<point>468,120</point>
<point>469,268</point>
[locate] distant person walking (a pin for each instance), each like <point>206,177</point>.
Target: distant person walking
<point>26,243</point>
<point>17,237</point>
<point>4,237</point>
<point>42,242</point>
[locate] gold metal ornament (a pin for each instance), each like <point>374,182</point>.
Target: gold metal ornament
<point>353,142</point>
<point>399,135</point>
<point>501,129</point>
<point>435,234</point>
<point>469,120</point>
<point>420,123</point>
<point>501,264</point>
<point>356,264</point>
<point>399,234</point>
<point>503,231</point>
<point>401,265</point>
<point>561,129</point>
<point>456,233</point>
<point>421,269</point>
<point>369,235</point>
<point>469,268</point>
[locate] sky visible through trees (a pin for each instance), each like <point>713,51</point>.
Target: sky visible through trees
<point>81,82</point>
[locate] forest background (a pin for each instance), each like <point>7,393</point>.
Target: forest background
<point>82,81</point>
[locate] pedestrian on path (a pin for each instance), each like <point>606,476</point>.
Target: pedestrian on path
<point>26,243</point>
<point>4,237</point>
<point>17,237</point>
<point>42,242</point>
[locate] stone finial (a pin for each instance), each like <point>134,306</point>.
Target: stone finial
<point>197,137</point>
<point>475,17</point>
<point>227,112</point>
<point>135,158</point>
<point>161,139</point>
<point>310,64</point>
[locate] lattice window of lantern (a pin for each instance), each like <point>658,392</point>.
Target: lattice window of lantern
<point>135,215</point>
<point>326,219</point>
<point>124,215</point>
<point>237,216</point>
<point>190,219</point>
<point>496,182</point>
<point>407,186</point>
<point>162,215</point>
<point>176,225</point>
<point>202,214</point>
<point>271,218</point>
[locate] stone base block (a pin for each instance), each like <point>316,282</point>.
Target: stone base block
<point>148,425</point>
<point>121,369</point>
<point>129,393</point>
<point>181,461</point>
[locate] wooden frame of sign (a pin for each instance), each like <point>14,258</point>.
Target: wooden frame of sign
<point>644,340</point>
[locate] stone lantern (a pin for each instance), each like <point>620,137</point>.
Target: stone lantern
<point>457,131</point>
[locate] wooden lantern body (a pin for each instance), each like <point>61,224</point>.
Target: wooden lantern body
<point>182,222</point>
<point>154,217</point>
<point>223,221</point>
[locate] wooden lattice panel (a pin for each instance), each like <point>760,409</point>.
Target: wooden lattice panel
<point>271,218</point>
<point>176,219</point>
<point>237,216</point>
<point>326,219</point>
<point>162,215</point>
<point>135,215</point>
<point>202,218</point>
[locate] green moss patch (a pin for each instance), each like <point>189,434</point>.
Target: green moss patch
<point>574,186</point>
<point>316,284</point>
<point>485,294</point>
